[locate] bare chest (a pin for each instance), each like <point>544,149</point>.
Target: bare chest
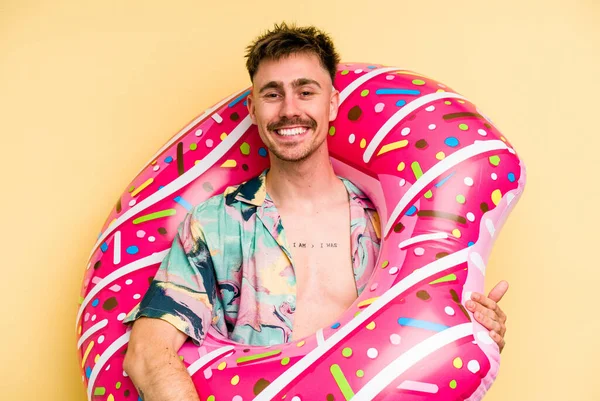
<point>321,255</point>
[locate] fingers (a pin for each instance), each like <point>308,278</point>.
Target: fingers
<point>498,291</point>
<point>488,307</point>
<point>498,339</point>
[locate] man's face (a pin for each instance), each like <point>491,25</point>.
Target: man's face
<point>292,102</point>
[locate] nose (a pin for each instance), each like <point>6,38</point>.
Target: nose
<point>289,107</point>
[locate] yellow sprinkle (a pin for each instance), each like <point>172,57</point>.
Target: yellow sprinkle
<point>440,90</point>
<point>223,135</point>
<point>428,194</point>
<point>367,302</point>
<point>401,166</point>
<point>357,313</point>
<point>461,101</point>
<point>113,222</point>
<point>440,156</point>
<point>86,353</point>
<point>448,102</point>
<point>222,365</point>
<point>496,196</point>
<point>229,163</point>
<point>456,233</point>
<point>301,343</point>
<point>371,326</point>
<point>392,146</point>
<point>235,380</point>
<point>196,162</point>
<point>385,264</point>
<point>110,398</point>
<point>154,162</point>
<point>79,329</point>
<point>503,139</point>
<point>363,143</point>
<point>96,358</point>
<point>141,187</point>
<point>458,363</point>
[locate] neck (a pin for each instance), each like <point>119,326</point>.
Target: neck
<point>306,184</point>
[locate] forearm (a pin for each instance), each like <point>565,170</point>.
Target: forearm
<point>161,376</point>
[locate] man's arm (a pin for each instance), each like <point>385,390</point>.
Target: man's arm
<point>153,365</point>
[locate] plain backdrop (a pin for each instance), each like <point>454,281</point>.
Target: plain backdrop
<point>90,90</point>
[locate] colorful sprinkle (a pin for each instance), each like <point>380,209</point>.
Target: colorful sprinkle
<point>285,360</point>
<point>235,380</point>
<point>229,163</point>
<point>371,326</point>
<point>449,311</point>
<point>223,136</point>
<point>460,199</point>
<point>395,339</point>
<point>401,166</point>
<point>245,148</point>
<point>411,211</point>
<point>155,215</point>
<point>363,143</point>
<point>440,155</point>
<point>496,196</point>
<point>418,82</point>
<point>379,107</point>
<point>100,391</point>
<point>372,353</point>
<point>457,362</point>
<point>360,373</point>
<point>392,146</point>
<point>262,152</point>
<point>335,325</point>
<point>258,356</point>
<point>453,384</point>
<point>495,160</point>
<point>132,250</point>
<point>511,177</point>
<point>397,92</point>
<point>456,232</point>
<point>104,247</point>
<point>451,141</point>
<point>364,92</point>
<point>168,159</point>
<point>473,366</point>
<point>341,381</point>
<point>468,181</point>
<point>347,352</point>
<point>400,103</point>
<point>405,131</point>
<point>445,279</point>
<point>421,324</point>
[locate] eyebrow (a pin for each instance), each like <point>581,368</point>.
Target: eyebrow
<point>295,84</point>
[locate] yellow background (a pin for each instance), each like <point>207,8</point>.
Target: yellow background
<point>89,91</point>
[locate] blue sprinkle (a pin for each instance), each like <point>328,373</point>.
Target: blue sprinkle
<point>397,92</point>
<point>245,103</point>
<point>132,250</point>
<point>421,324</point>
<point>169,159</point>
<point>451,141</point>
<point>95,302</point>
<point>262,152</point>
<point>104,247</point>
<point>511,177</point>
<point>161,186</point>
<point>183,203</point>
<point>439,184</point>
<point>411,211</point>
<point>400,103</point>
<point>88,372</point>
<point>471,243</point>
<point>239,98</point>
<point>371,67</point>
<point>335,325</point>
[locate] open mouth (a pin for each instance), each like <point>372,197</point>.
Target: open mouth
<point>291,131</point>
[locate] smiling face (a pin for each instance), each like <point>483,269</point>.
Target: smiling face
<point>292,102</point>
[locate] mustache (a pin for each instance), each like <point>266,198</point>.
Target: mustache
<point>290,122</point>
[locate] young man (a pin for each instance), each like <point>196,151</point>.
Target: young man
<point>232,264</point>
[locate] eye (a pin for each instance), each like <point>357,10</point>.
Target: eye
<point>306,93</point>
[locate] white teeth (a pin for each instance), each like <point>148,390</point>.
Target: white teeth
<point>291,131</point>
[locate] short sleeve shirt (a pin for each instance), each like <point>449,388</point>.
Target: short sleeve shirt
<point>229,266</point>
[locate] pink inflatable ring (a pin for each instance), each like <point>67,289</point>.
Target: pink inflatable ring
<point>443,180</point>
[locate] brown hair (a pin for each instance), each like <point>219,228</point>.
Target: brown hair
<point>284,40</point>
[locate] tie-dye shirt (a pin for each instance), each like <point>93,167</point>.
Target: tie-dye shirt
<point>230,266</point>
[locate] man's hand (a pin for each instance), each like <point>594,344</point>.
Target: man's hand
<point>488,313</point>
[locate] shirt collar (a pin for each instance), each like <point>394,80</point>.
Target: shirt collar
<point>254,192</point>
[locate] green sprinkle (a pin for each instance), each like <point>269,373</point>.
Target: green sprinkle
<point>453,384</point>
<point>118,385</point>
<point>347,352</point>
<point>99,391</point>
<point>360,373</point>
<point>345,72</point>
<point>285,360</point>
<point>460,199</point>
<point>131,189</point>
<point>495,160</point>
<point>364,93</point>
<point>245,148</point>
<point>156,215</point>
<point>463,127</point>
<point>341,381</point>
<point>193,146</point>
<point>332,131</point>
<point>385,264</point>
<point>419,82</point>
<point>416,168</point>
<point>211,398</point>
<point>258,356</point>
<point>449,277</point>
<point>428,194</point>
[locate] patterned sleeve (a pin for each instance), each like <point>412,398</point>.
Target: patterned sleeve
<point>184,289</point>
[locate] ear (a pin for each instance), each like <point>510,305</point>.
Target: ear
<point>334,104</point>
<point>250,105</point>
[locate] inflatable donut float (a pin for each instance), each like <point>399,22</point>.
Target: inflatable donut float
<point>443,180</point>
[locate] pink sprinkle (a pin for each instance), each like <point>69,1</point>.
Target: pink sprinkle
<point>96,280</point>
<point>209,143</point>
<point>393,270</point>
<point>115,288</point>
<point>140,233</point>
<point>379,107</point>
<point>389,77</point>
<point>419,251</point>
<point>374,287</point>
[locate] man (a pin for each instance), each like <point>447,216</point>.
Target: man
<point>232,264</point>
